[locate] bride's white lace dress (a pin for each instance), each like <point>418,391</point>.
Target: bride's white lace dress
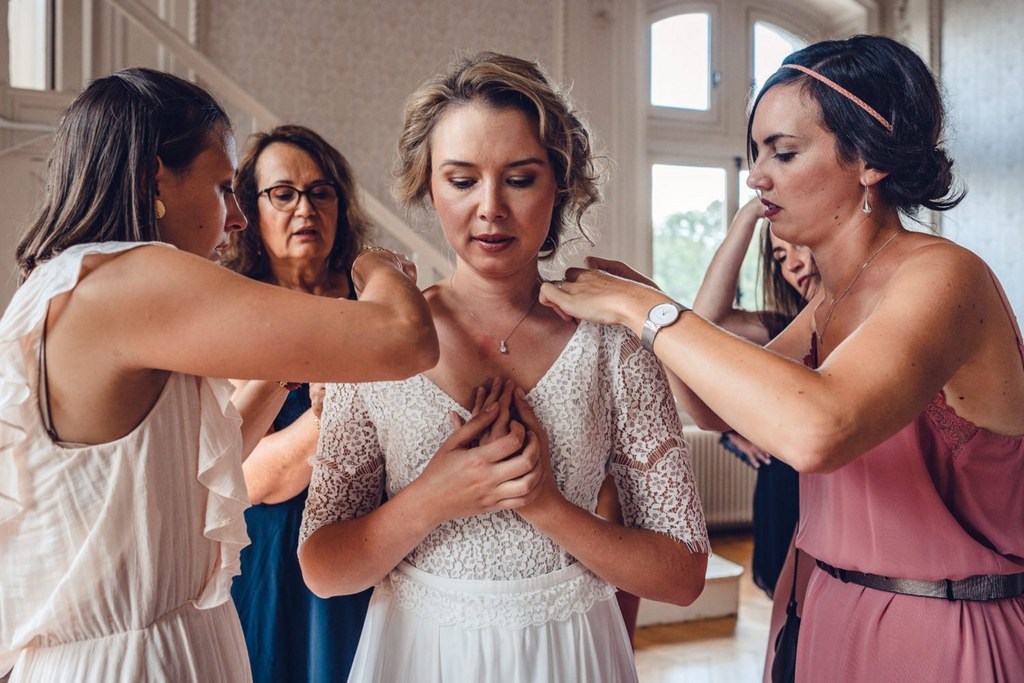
<point>489,597</point>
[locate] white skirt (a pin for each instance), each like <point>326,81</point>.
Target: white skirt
<point>563,626</point>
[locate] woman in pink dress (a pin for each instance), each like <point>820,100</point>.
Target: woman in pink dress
<point>900,386</point>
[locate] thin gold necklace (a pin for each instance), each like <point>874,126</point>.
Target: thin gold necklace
<point>502,342</point>
<point>864,266</point>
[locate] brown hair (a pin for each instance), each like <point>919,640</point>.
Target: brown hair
<point>100,183</point>
<point>503,81</point>
<point>246,254</point>
<point>893,81</point>
<point>780,300</point>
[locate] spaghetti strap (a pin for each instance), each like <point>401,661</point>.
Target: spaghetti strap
<point>1009,314</point>
<point>44,391</point>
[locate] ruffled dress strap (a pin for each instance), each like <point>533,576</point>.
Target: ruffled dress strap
<point>219,447</point>
<point>19,329</point>
<point>220,471</point>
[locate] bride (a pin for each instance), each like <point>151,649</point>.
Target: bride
<point>488,560</point>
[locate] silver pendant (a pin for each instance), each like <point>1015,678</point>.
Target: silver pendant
<point>502,347</point>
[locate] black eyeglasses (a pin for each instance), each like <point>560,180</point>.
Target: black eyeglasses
<point>286,197</point>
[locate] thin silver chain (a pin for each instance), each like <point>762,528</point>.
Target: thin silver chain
<point>864,266</point>
<point>502,342</point>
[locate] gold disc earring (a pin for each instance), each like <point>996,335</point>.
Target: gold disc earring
<point>160,209</point>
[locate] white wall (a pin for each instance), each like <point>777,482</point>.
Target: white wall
<point>346,67</point>
<point>983,73</point>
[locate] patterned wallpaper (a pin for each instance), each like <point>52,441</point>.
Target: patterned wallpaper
<point>346,67</point>
<point>983,73</point>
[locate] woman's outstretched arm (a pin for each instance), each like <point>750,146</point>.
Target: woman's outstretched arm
<point>883,374</point>
<point>188,315</point>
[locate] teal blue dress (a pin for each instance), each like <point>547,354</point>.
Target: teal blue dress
<point>291,634</point>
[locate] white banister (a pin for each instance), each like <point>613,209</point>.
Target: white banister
<point>427,255</point>
<point>212,75</point>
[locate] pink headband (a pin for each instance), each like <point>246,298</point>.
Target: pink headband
<point>842,91</point>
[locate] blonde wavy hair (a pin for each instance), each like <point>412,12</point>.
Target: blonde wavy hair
<point>503,81</point>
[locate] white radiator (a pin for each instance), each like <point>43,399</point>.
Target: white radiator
<point>726,484</point>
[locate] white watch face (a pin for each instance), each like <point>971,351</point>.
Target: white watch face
<point>663,314</point>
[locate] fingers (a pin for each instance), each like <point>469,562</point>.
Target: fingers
<point>523,487</point>
<point>572,274</point>
<point>550,294</point>
<point>317,392</point>
<point>494,391</point>
<point>500,396</point>
<point>598,263</point>
<point>525,412</point>
<point>505,446</point>
<point>477,402</point>
<point>408,267</point>
<point>619,269</point>
<point>465,434</point>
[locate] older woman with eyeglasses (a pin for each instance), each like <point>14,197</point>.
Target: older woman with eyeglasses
<point>298,193</point>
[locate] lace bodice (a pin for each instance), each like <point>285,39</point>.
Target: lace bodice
<point>606,406</point>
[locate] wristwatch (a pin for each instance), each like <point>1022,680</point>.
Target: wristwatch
<point>661,315</point>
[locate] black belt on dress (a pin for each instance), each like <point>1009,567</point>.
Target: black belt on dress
<point>980,588</point>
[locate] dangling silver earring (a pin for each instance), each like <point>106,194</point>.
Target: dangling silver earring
<point>867,201</point>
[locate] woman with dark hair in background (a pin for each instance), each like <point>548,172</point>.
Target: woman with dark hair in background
<point>306,227</point>
<point>121,490</point>
<point>898,394</point>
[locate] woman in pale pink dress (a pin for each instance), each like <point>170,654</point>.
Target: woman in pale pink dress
<point>121,489</point>
<point>900,387</point>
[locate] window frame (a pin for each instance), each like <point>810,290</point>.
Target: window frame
<point>715,138</point>
<point>712,117</point>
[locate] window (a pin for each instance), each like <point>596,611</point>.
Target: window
<point>30,43</point>
<point>697,136</point>
<point>681,63</point>
<point>688,206</point>
<point>771,45</point>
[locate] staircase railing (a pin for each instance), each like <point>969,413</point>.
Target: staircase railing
<point>423,252</point>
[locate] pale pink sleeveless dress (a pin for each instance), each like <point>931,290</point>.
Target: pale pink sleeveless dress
<point>116,559</point>
<point>940,499</point>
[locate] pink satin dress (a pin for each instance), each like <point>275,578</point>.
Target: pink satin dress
<point>940,499</point>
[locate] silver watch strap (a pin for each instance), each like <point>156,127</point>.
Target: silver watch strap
<point>648,334</point>
<point>651,328</point>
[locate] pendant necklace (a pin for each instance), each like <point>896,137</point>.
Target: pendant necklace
<point>502,342</point>
<point>864,266</point>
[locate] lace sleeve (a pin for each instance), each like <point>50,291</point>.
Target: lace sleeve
<point>348,469</point>
<point>651,463</point>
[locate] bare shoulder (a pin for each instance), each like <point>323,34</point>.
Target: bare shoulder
<point>142,267</point>
<point>439,301</point>
<point>940,271</point>
<point>940,254</point>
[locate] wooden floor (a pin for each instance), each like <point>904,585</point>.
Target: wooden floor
<point>716,650</point>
